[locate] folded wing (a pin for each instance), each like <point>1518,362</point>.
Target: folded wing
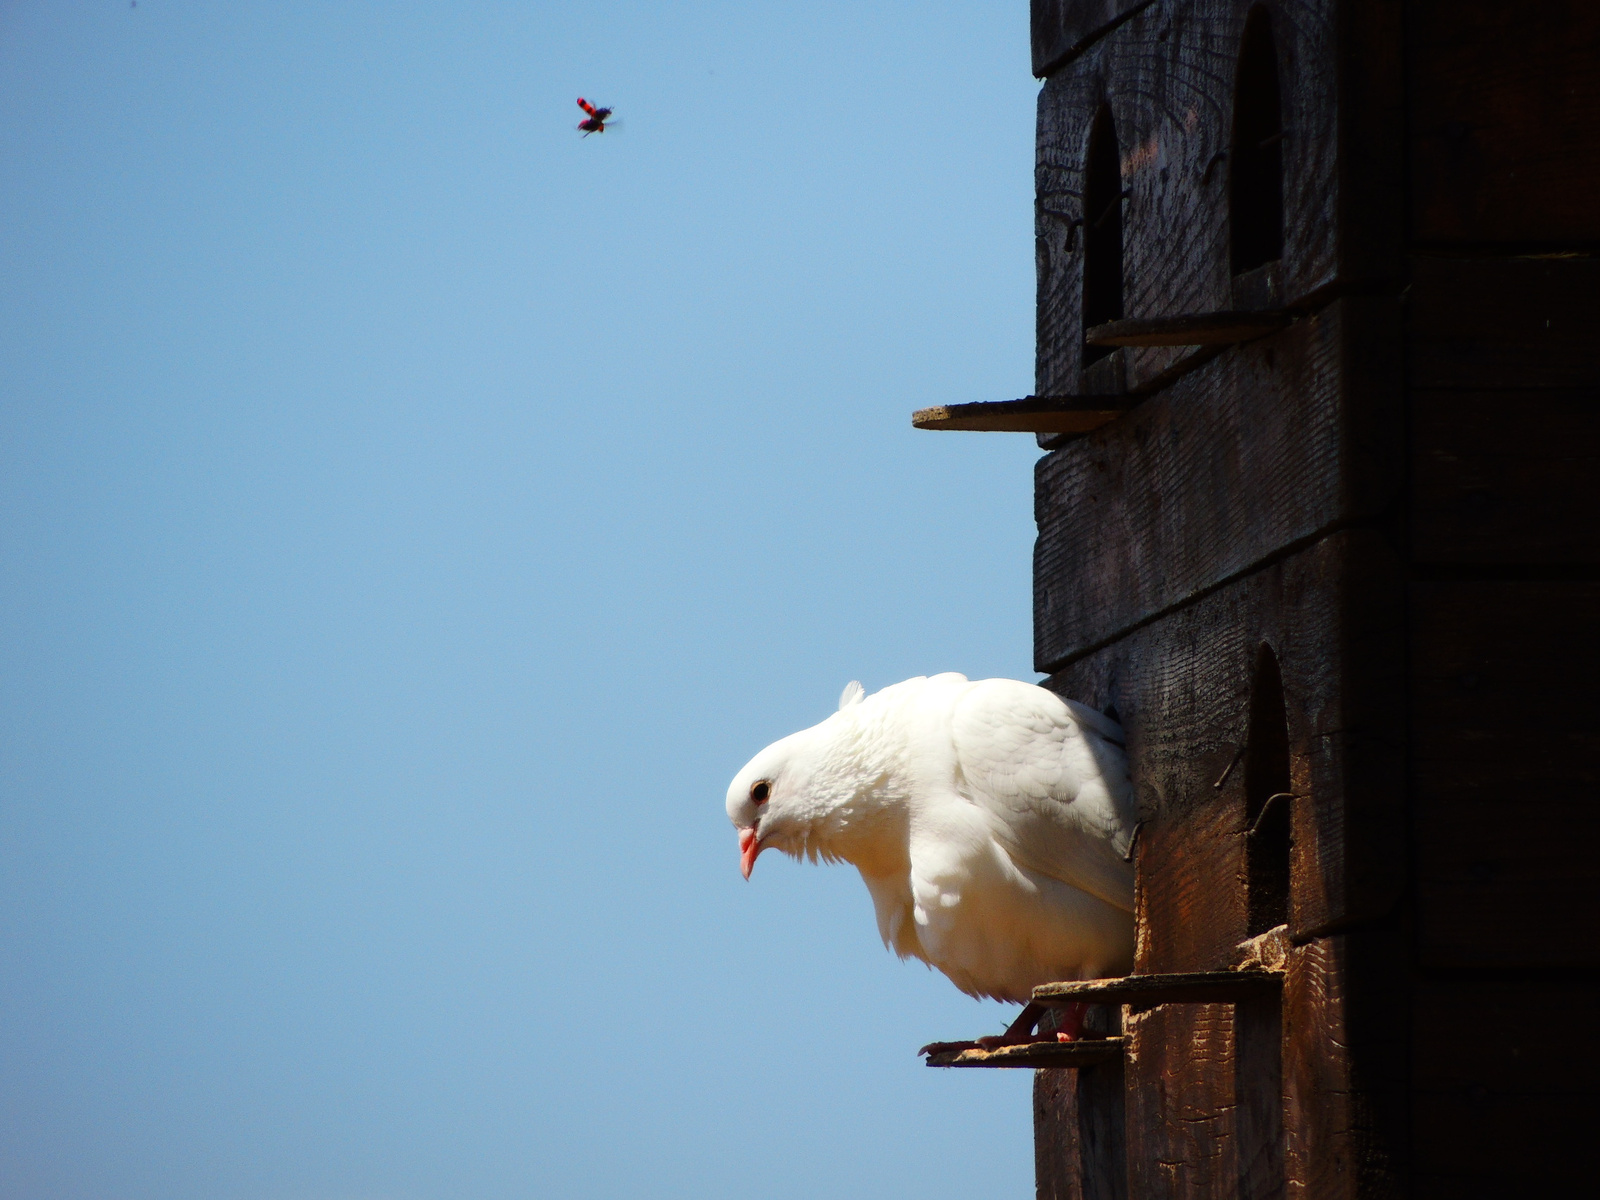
<point>1054,779</point>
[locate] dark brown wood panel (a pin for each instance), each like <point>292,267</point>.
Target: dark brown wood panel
<point>1182,1122</point>
<point>1502,887</point>
<point>1080,1152</point>
<point>1506,477</point>
<point>1265,447</point>
<point>1258,1098</point>
<point>1191,908</point>
<point>1482,324</point>
<point>1066,109</point>
<point>1333,614</point>
<point>1506,761</point>
<point>1167,75</point>
<point>1147,990</point>
<point>1504,121</point>
<point>1506,1095</point>
<point>1061,28</point>
<point>1345,1042</point>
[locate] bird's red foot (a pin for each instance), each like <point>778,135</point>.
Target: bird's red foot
<point>1024,1030</point>
<point>1069,1022</point>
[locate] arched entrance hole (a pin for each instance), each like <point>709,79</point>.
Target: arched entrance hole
<point>1255,175</point>
<point>1102,229</point>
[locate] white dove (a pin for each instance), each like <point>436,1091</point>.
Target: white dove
<point>990,821</point>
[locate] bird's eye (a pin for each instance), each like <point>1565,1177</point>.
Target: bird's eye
<point>760,790</point>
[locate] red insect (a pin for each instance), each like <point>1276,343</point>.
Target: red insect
<point>596,120</point>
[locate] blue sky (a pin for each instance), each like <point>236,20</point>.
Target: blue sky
<point>415,513</point>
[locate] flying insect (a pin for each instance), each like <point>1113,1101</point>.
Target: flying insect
<point>595,122</point>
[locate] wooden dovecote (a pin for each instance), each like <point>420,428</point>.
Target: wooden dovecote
<point>1320,521</point>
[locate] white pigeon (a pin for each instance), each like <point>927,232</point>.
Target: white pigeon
<point>990,820</point>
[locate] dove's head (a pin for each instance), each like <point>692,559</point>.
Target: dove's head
<point>768,801</point>
<point>791,795</point>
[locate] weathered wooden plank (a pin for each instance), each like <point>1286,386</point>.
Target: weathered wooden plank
<point>1368,161</point>
<point>1167,75</point>
<point>1194,911</point>
<point>1519,1123</point>
<point>1505,477</point>
<point>1066,108</point>
<point>1334,616</point>
<point>1504,120</point>
<point>1063,28</point>
<point>1057,1153</point>
<point>1146,991</point>
<point>1032,414</point>
<point>1476,324</point>
<point>1191,329</point>
<point>1182,1130</point>
<point>1506,762</point>
<point>1258,1096</point>
<point>1345,1107</point>
<point>1080,1148</point>
<point>1083,1053</point>
<point>1262,449</point>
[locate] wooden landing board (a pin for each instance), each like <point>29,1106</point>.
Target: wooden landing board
<point>1032,414</point>
<point>1147,991</point>
<point>1037,1054</point>
<point>1190,329</point>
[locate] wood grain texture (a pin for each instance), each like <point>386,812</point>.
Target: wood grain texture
<point>1191,329</point>
<point>1181,1118</point>
<point>1506,766</point>
<point>1191,911</point>
<point>1257,1100</point>
<point>1266,447</point>
<point>1032,414</point>
<point>1167,75</point>
<point>1147,991</point>
<point>1334,616</point>
<point>1062,28</point>
<point>1054,1055</point>
<point>1080,1148</point>
<point>1479,324</point>
<point>1258,1096</point>
<point>1504,120</point>
<point>1505,478</point>
<point>1518,1123</point>
<point>1345,1047</point>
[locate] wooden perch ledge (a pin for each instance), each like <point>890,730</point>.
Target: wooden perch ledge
<point>1148,991</point>
<point>1031,414</point>
<point>1195,329</point>
<point>1080,414</point>
<point>1137,991</point>
<point>1083,1053</point>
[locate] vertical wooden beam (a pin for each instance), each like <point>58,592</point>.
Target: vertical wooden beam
<point>1080,1151</point>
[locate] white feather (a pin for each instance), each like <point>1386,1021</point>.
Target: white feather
<point>988,819</point>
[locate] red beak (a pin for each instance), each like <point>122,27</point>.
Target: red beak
<point>749,848</point>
